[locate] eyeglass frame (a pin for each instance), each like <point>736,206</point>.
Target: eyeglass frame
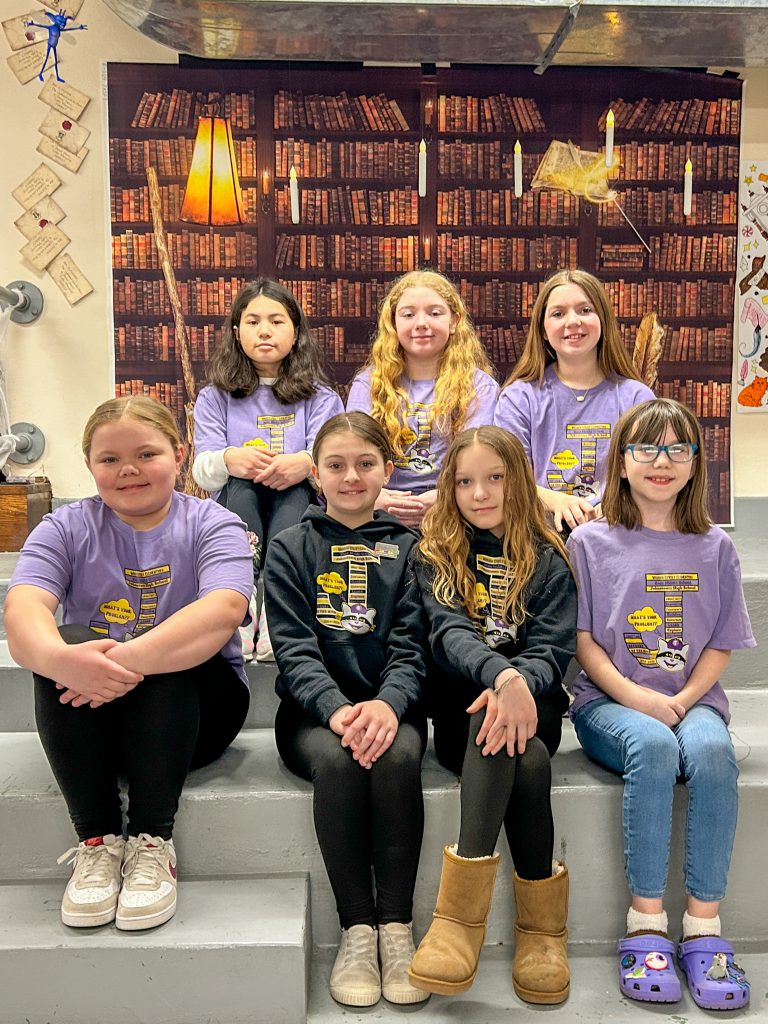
<point>659,449</point>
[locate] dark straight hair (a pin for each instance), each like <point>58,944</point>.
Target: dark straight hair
<point>300,372</point>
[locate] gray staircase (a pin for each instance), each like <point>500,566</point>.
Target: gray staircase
<point>252,878</point>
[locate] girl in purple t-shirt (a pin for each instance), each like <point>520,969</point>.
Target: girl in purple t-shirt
<point>660,610</point>
<point>256,423</point>
<point>501,604</point>
<point>427,379</point>
<point>172,574</point>
<point>571,384</point>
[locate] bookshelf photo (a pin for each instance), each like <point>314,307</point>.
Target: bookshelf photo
<point>353,134</point>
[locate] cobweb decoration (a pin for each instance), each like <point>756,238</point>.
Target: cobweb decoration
<point>568,168</point>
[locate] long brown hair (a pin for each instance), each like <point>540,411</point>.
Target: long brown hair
<point>446,534</point>
<point>647,423</point>
<point>455,384</point>
<point>612,357</point>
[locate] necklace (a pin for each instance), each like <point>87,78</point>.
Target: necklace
<point>576,395</point>
<point>580,396</point>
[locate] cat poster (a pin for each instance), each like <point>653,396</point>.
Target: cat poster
<point>752,291</point>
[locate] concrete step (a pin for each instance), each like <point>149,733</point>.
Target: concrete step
<point>265,813</point>
<point>237,951</point>
<point>594,997</point>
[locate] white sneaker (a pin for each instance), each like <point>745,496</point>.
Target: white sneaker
<point>355,978</point>
<point>90,897</point>
<point>148,895</point>
<point>396,950</point>
<point>263,643</point>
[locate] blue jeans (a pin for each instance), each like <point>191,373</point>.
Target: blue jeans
<point>650,756</point>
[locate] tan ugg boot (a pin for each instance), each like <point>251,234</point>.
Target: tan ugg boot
<point>540,972</point>
<point>446,960</point>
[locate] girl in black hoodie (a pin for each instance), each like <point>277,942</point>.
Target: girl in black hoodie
<point>501,603</point>
<point>345,621</point>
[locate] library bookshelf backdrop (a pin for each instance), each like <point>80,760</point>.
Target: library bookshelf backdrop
<point>353,136</point>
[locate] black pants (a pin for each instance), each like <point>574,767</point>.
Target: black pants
<point>495,790</point>
<point>365,819</point>
<point>264,510</point>
<point>152,736</point>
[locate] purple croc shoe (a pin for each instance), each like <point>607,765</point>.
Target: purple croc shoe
<point>715,980</point>
<point>645,969</point>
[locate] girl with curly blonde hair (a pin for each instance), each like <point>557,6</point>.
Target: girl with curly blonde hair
<point>427,379</point>
<point>501,604</point>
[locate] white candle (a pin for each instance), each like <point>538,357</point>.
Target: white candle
<point>294,190</point>
<point>422,168</point>
<point>688,189</point>
<point>609,123</point>
<point>518,161</point>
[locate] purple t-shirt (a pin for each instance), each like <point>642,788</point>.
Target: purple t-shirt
<point>654,601</point>
<point>420,465</point>
<point>121,581</point>
<point>260,420</point>
<point>566,439</point>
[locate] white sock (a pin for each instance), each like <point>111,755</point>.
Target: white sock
<point>695,926</point>
<point>639,922</point>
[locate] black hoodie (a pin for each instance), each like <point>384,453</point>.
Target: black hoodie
<point>344,613</point>
<point>476,651</point>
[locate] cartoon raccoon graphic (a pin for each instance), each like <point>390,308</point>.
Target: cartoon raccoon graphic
<point>357,618</point>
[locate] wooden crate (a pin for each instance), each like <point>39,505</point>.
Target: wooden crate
<point>22,506</point>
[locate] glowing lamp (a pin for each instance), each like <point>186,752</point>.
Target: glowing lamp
<point>213,195</point>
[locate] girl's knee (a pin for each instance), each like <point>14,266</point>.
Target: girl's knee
<point>655,749</point>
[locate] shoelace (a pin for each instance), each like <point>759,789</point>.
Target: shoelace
<point>92,868</point>
<point>143,860</point>
<point>361,945</point>
<point>399,949</point>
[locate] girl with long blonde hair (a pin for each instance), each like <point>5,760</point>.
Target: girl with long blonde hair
<point>501,605</point>
<point>571,384</point>
<point>427,379</point>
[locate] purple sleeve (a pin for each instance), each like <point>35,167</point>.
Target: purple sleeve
<point>210,421</point>
<point>482,407</point>
<point>224,560</point>
<point>513,413</point>
<point>359,398</point>
<point>733,629</point>
<point>580,569</point>
<point>46,559</point>
<point>320,408</point>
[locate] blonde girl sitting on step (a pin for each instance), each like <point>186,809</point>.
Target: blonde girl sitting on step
<point>501,604</point>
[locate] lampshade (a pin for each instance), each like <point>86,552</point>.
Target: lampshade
<point>213,195</point>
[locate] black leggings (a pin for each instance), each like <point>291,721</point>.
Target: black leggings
<point>500,789</point>
<point>364,818</point>
<point>153,736</point>
<point>264,510</point>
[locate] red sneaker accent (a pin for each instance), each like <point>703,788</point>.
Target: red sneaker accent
<point>96,841</point>
<point>172,870</point>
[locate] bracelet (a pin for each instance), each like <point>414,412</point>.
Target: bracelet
<point>498,690</point>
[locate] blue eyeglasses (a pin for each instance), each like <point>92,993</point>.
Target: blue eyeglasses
<point>678,452</point>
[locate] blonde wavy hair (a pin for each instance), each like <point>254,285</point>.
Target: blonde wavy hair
<point>454,387</point>
<point>612,357</point>
<point>647,423</point>
<point>446,535</point>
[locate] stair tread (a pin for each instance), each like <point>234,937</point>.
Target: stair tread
<point>251,912</point>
